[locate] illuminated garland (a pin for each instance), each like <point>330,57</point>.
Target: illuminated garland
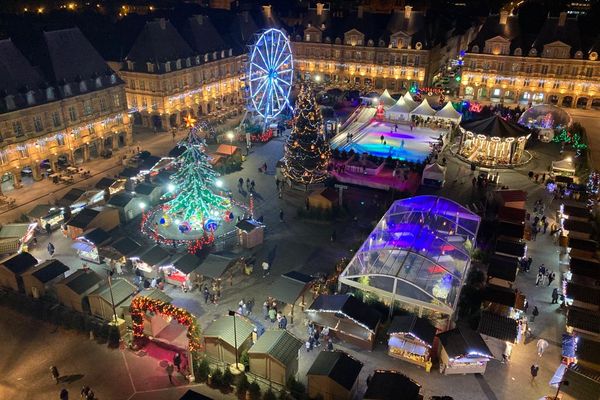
<point>306,153</point>
<point>141,304</point>
<point>573,138</point>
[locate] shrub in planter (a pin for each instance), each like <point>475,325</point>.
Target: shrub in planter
<point>217,378</point>
<point>242,387</point>
<point>245,359</point>
<point>227,380</point>
<point>269,395</point>
<point>201,370</point>
<point>113,337</point>
<point>296,388</point>
<point>254,391</point>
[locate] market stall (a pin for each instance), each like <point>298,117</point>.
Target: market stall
<point>221,338</point>
<point>386,99</point>
<point>106,218</point>
<point>564,167</point>
<point>148,259</point>
<point>290,287</point>
<point>434,175</point>
<point>348,319</point>
<point>502,270</point>
<point>44,214</point>
<point>463,351</point>
<point>274,356</point>
<point>493,142</point>
<point>113,185</point>
<point>510,229</point>
<point>39,281</point>
<point>182,270</point>
<point>423,110</point>
<point>510,246</point>
<point>250,232</point>
<point>411,339</point>
<point>118,252</point>
<point>87,245</point>
<point>12,269</point>
<point>333,376</point>
<point>103,298</point>
<point>15,238</point>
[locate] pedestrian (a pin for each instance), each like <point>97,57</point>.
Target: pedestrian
<point>244,309</point>
<point>170,370</point>
<point>529,262</point>
<point>265,310</point>
<point>248,183</point>
<point>545,226</point>
<point>173,135</point>
<point>48,228</point>
<point>542,345</point>
<point>534,232</point>
<point>240,184</point>
<point>51,249</point>
<point>206,294</point>
<point>265,268</point>
<point>316,336</point>
<point>329,345</point>
<point>84,391</point>
<point>55,374</point>
<point>554,296</point>
<point>539,278</point>
<point>272,314</point>
<point>333,236</point>
<point>277,181</point>
<point>543,178</point>
<point>252,184</point>
<point>89,395</point>
<point>474,181</point>
<point>280,215</point>
<point>283,322</point>
<point>64,394</point>
<point>542,269</point>
<point>307,345</point>
<point>534,371</point>
<point>381,138</point>
<point>534,313</point>
<point>537,177</point>
<point>385,143</point>
<point>177,361</point>
<point>551,277</point>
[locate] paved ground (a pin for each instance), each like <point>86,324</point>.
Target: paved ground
<point>294,244</point>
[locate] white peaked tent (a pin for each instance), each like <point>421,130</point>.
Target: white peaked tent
<point>449,113</point>
<point>409,101</point>
<point>386,99</point>
<point>399,111</point>
<point>423,110</point>
<point>434,175</point>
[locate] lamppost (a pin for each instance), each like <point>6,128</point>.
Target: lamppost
<point>230,136</point>
<point>562,382</point>
<point>238,368</point>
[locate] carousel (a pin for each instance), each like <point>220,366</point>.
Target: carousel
<point>493,142</point>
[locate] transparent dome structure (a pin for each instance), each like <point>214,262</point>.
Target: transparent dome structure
<point>419,254</point>
<point>545,116</point>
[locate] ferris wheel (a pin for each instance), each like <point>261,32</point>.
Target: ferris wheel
<point>270,74</point>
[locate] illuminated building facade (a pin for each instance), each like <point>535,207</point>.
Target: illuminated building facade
<point>169,74</point>
<point>69,108</point>
<point>393,50</point>
<point>555,67</point>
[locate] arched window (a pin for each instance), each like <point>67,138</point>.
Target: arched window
<point>518,51</point>
<point>475,49</point>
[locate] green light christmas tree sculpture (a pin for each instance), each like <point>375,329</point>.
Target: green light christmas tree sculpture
<point>306,153</point>
<point>194,201</point>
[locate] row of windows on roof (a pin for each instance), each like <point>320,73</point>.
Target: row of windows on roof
<point>355,40</point>
<point>549,51</point>
<point>178,64</point>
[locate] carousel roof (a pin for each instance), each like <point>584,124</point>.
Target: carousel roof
<point>495,126</point>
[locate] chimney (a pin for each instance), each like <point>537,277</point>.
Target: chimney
<point>267,11</point>
<point>199,19</point>
<point>562,19</point>
<point>359,13</point>
<point>503,17</point>
<point>407,11</point>
<point>162,23</point>
<point>320,7</point>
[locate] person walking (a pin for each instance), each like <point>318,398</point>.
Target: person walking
<point>381,138</point>
<point>170,370</point>
<point>84,391</point>
<point>265,268</point>
<point>554,296</point>
<point>55,374</point>
<point>64,394</point>
<point>206,294</point>
<point>542,345</point>
<point>534,313</point>
<point>252,185</point>
<point>248,183</point>
<point>283,322</point>
<point>551,277</point>
<point>272,314</point>
<point>265,310</point>
<point>48,228</point>
<point>329,345</point>
<point>177,361</point>
<point>280,215</point>
<point>539,278</point>
<point>51,249</point>
<point>545,225</point>
<point>534,371</point>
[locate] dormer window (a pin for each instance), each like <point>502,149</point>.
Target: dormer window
<point>30,98</point>
<point>197,60</point>
<point>150,67</point>
<point>178,64</point>
<point>307,37</point>
<point>113,79</point>
<point>518,51</point>
<point>82,87</point>
<point>50,93</point>
<point>222,53</point>
<point>206,58</point>
<point>475,49</point>
<point>230,52</point>
<point>188,62</point>
<point>67,89</point>
<point>10,102</point>
<point>98,83</point>
<point>533,52</point>
<point>579,54</point>
<point>168,66</point>
<point>214,55</point>
<point>130,65</point>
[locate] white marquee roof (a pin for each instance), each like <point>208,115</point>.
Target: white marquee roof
<point>449,112</point>
<point>424,109</point>
<point>387,99</point>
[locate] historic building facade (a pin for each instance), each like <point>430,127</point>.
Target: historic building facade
<point>70,109</point>
<point>168,77</point>
<point>554,67</point>
<point>402,54</point>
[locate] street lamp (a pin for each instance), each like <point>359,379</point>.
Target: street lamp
<point>238,367</point>
<point>317,78</point>
<point>219,183</point>
<point>566,383</point>
<point>230,136</point>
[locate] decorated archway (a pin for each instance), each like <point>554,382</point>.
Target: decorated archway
<point>140,305</point>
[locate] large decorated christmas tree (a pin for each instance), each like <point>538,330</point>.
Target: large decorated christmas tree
<point>307,152</point>
<point>195,203</point>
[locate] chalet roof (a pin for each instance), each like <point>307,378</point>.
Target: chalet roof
<point>97,236</point>
<point>279,344</point>
<point>503,267</point>
<point>70,197</point>
<point>187,263</point>
<point>84,218</point>
<point>583,320</point>
<point>80,281</point>
<point>48,270</point>
<point>583,293</point>
<point>464,342</point>
<point>500,295</point>
<point>122,289</point>
<point>222,328</point>
<point>498,326</point>
<point>121,199</point>
<point>145,188</point>
<point>105,183</point>
<point>584,383</point>
<point>338,366</point>
<point>348,305</point>
<point>421,328</point>
<point>387,385</point>
<point>20,262</point>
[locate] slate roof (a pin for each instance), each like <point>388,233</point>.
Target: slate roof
<point>214,266</point>
<point>387,385</point>
<point>41,210</point>
<point>583,293</point>
<point>70,197</point>
<point>499,295</point>
<point>155,294</point>
<point>584,383</point>
<point>585,267</point>
<point>338,366</point>
<point>83,218</point>
<point>158,42</point>
<point>145,188</point>
<point>125,246</point>
<point>461,341</point>
<point>155,256</point>
<point>588,350</point>
<point>73,58</point>
<point>498,326</point>
<point>349,306</point>
<point>105,183</point>
<point>120,200</point>
<point>494,126</point>
<point>97,236</point>
<point>583,319</point>
<point>202,35</point>
<point>187,263</point>
<point>20,262</point>
<point>420,328</point>
<point>49,270</point>
<point>222,328</point>
<point>279,344</point>
<point>16,73</point>
<point>551,32</point>
<point>503,267</point>
<point>492,28</point>
<point>81,281</point>
<point>121,290</point>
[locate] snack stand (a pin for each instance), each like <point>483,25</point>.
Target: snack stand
<point>147,260</point>
<point>87,245</point>
<point>411,339</point>
<point>182,269</point>
<point>463,351</point>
